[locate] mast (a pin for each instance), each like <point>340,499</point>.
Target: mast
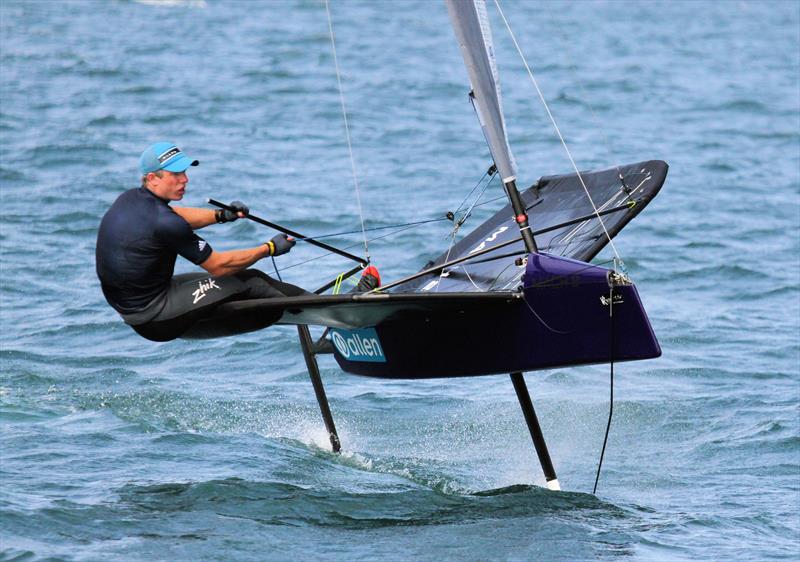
<point>471,25</point>
<point>521,216</point>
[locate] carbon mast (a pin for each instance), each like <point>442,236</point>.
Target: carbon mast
<point>471,25</point>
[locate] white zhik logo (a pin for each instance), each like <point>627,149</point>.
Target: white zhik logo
<point>203,287</point>
<point>201,244</point>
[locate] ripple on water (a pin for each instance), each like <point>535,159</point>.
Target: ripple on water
<point>117,448</point>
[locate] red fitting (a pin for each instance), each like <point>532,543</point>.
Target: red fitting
<point>521,218</point>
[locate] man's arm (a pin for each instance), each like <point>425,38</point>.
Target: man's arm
<point>197,218</point>
<point>220,264</point>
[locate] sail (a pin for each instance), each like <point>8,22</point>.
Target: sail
<point>471,24</point>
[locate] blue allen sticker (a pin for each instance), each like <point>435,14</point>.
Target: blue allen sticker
<point>358,345</point>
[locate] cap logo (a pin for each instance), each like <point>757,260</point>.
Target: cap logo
<point>168,154</point>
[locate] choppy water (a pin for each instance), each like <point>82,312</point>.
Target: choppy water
<point>116,448</point>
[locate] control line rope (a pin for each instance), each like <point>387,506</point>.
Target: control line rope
<point>555,126</point>
<point>611,385</point>
<point>275,267</point>
<point>347,129</point>
<point>443,272</point>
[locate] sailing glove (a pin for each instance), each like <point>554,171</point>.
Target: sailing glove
<point>280,244</point>
<point>224,215</point>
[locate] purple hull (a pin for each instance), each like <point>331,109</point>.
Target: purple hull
<point>562,320</point>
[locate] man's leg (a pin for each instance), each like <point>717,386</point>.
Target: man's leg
<point>262,286</point>
<point>193,296</point>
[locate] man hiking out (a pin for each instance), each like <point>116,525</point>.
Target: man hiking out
<point>141,236</point>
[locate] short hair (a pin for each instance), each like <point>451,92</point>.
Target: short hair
<point>159,173</point>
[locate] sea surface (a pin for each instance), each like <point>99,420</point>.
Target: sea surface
<point>116,448</point>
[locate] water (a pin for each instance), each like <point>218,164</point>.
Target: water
<point>117,448</point>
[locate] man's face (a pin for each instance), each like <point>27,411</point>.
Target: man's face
<point>170,186</point>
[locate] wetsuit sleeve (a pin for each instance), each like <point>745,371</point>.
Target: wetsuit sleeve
<point>177,235</point>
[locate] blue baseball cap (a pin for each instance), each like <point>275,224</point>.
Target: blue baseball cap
<point>164,156</point>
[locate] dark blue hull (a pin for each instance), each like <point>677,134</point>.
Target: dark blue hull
<point>563,319</point>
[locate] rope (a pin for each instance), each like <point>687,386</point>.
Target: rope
<point>275,267</point>
<point>468,213</point>
<point>611,384</point>
<point>497,277</point>
<point>471,191</point>
<point>326,254</point>
<point>540,319</point>
<point>415,223</point>
<point>347,129</point>
<point>555,125</point>
<point>402,227</point>
<point>444,272</point>
<point>474,284</point>
<point>458,223</point>
<point>338,284</point>
<point>565,239</point>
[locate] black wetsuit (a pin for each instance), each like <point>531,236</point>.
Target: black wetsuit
<point>139,240</point>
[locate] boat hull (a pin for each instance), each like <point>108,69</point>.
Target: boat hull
<point>568,316</point>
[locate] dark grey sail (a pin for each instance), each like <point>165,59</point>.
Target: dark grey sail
<point>471,25</point>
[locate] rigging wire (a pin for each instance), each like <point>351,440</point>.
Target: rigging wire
<point>480,289</point>
<point>450,216</point>
<point>326,254</point>
<point>347,130</point>
<point>492,172</point>
<point>540,319</point>
<point>468,213</point>
<point>558,132</point>
<point>372,229</point>
<point>598,125</point>
<point>516,277</point>
<point>400,228</point>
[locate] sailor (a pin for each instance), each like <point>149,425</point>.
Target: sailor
<point>141,236</point>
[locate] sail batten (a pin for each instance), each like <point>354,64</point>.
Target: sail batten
<point>471,25</point>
